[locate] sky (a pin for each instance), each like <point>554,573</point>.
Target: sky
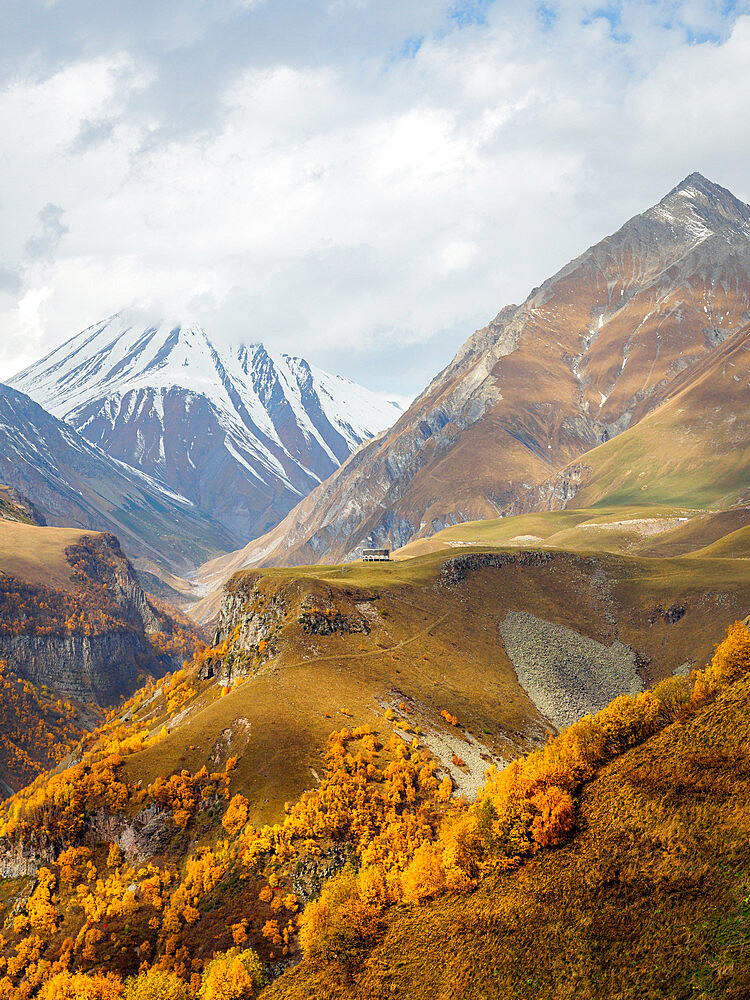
<point>361,182</point>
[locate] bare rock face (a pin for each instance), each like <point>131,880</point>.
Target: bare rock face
<point>85,668</point>
<point>330,621</point>
<point>567,674</point>
<point>20,860</point>
<point>455,570</point>
<point>587,355</point>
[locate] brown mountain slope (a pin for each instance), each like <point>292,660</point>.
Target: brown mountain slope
<point>694,450</point>
<point>588,354</point>
<point>657,489</point>
<point>76,632</point>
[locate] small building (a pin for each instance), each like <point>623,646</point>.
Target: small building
<point>376,555</point>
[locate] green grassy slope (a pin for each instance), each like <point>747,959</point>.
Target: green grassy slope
<point>627,530</point>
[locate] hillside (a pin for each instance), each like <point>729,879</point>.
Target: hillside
<point>692,451</point>
<point>77,633</point>
<point>38,730</point>
<point>628,824</point>
<point>242,433</point>
<point>602,343</point>
<point>649,531</point>
<point>649,899</point>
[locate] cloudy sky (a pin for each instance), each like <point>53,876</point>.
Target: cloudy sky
<point>363,182</point>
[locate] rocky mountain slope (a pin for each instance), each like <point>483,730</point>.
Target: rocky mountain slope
<point>242,433</point>
<point>694,450</point>
<point>74,484</point>
<point>589,354</point>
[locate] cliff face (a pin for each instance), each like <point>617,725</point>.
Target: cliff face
<point>99,668</point>
<point>89,640</point>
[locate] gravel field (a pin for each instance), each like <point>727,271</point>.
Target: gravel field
<point>564,673</point>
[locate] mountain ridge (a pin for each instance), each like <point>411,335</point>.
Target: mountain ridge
<point>589,353</point>
<point>74,484</point>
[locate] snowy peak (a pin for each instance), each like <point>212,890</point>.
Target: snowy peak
<point>116,356</point>
<point>707,196</point>
<point>703,207</point>
<point>241,431</point>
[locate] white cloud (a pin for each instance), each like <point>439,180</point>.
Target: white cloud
<point>328,196</point>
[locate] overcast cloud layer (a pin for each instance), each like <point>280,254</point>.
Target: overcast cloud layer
<point>362,182</point>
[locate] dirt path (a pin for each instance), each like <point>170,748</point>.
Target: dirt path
<point>373,652</point>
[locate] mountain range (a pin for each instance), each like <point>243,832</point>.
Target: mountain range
<point>305,799</point>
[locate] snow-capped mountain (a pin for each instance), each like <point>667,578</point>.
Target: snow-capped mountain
<point>242,432</point>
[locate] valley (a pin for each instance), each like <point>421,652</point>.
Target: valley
<point>509,761</point>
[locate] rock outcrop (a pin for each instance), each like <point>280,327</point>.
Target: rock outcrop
<point>89,641</point>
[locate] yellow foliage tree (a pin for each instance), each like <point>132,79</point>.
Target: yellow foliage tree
<point>67,986</point>
<point>236,815</point>
<point>424,877</point>
<point>233,975</point>
<point>156,985</point>
<point>555,817</point>
<point>340,925</point>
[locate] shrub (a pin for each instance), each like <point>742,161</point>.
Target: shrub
<point>156,985</point>
<point>233,975</point>
<point>555,817</point>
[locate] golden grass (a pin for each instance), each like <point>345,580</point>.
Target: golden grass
<point>37,555</point>
<point>650,900</point>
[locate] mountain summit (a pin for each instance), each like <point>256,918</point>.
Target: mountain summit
<point>590,352</point>
<point>697,198</point>
<point>242,432</point>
